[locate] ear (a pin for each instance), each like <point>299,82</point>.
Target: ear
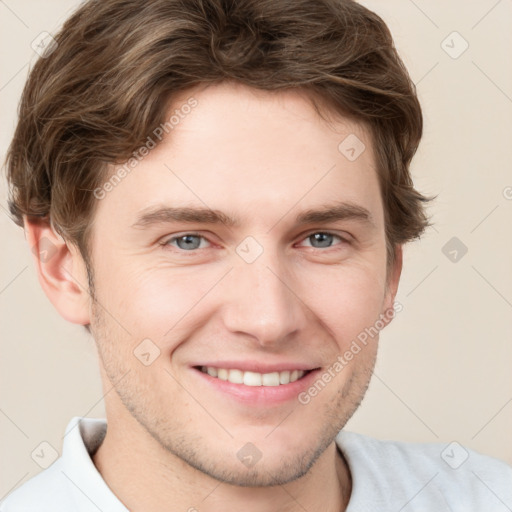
<point>392,282</point>
<point>61,271</point>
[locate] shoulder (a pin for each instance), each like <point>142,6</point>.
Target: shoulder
<point>41,493</point>
<point>72,482</point>
<point>447,475</point>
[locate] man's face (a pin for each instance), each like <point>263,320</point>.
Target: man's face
<point>269,293</point>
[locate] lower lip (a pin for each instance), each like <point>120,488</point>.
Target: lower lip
<point>260,395</point>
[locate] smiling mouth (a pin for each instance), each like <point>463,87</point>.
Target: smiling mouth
<point>254,378</point>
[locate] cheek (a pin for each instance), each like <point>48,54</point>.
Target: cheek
<point>347,299</point>
<point>153,301</point>
<point>166,304</point>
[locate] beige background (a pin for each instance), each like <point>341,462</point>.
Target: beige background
<point>444,369</point>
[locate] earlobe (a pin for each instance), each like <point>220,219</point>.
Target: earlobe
<point>61,271</point>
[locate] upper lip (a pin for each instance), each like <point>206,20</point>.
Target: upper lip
<point>259,367</point>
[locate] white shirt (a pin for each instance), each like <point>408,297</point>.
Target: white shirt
<point>387,476</point>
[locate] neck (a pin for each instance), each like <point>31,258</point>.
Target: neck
<point>131,462</point>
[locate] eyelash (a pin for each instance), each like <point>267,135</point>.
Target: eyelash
<point>167,243</point>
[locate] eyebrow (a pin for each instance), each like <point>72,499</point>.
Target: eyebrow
<point>328,213</point>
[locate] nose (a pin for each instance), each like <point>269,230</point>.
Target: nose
<point>261,301</point>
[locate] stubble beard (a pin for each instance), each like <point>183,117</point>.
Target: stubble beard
<point>177,441</point>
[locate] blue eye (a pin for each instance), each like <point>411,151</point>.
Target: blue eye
<point>190,242</point>
<point>323,240</point>
<point>187,242</point>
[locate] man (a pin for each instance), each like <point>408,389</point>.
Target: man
<point>225,190</point>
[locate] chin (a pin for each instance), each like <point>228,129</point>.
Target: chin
<point>264,473</point>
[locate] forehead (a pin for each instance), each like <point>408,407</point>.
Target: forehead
<point>244,148</point>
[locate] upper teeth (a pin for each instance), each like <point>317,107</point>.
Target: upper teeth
<point>254,378</point>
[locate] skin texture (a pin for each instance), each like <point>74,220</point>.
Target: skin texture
<point>263,157</point>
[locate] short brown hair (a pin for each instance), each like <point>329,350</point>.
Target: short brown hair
<point>118,63</point>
